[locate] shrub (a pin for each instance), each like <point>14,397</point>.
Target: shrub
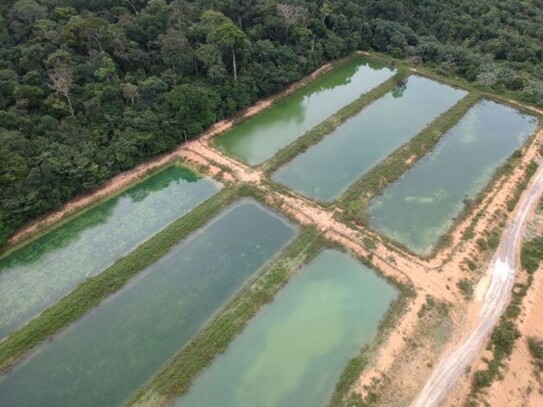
<point>531,254</point>
<point>482,378</point>
<point>466,287</point>
<point>504,336</point>
<point>536,349</point>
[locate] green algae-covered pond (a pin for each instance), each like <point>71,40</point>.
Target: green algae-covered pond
<point>295,349</point>
<point>106,356</point>
<point>38,274</point>
<point>260,137</point>
<point>418,208</point>
<point>326,169</point>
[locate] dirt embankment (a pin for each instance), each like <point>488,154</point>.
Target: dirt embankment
<point>415,356</point>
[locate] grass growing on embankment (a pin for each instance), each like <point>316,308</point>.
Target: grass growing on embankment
<point>356,199</point>
<point>532,254</point>
<point>420,352</point>
<point>90,293</point>
<point>326,127</point>
<point>535,345</point>
<point>175,378</point>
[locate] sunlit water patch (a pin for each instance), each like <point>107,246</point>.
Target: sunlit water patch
<point>260,137</point>
<point>418,208</point>
<point>294,350</point>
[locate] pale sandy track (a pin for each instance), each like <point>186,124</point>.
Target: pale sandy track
<point>502,271</point>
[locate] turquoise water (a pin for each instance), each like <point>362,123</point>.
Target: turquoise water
<point>295,349</point>
<point>38,274</point>
<point>417,209</point>
<point>326,170</point>
<point>260,137</point>
<point>107,355</point>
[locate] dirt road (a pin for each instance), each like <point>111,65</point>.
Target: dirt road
<point>502,270</point>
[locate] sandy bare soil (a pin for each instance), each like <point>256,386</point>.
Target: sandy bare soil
<point>413,362</point>
<point>521,385</point>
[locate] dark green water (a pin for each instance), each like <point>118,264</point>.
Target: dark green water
<point>418,208</point>
<point>326,169</point>
<point>106,356</point>
<point>259,138</point>
<point>293,352</point>
<point>37,275</point>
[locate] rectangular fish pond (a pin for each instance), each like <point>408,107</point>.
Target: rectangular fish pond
<point>418,208</point>
<point>293,352</point>
<point>260,137</point>
<point>326,170</point>
<point>107,355</point>
<point>41,272</point>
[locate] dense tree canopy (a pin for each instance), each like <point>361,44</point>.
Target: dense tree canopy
<point>89,88</point>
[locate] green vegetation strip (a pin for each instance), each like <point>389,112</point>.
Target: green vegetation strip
<point>176,377</point>
<point>356,199</point>
<point>326,127</point>
<point>521,186</point>
<point>536,350</point>
<point>532,254</point>
<point>490,239</point>
<point>90,293</point>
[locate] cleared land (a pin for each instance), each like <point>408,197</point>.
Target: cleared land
<point>436,276</point>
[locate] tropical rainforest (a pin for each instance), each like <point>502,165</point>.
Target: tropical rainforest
<point>89,88</point>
